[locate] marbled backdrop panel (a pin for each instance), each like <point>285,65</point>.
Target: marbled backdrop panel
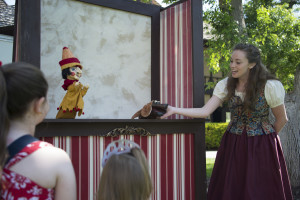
<point>114,48</point>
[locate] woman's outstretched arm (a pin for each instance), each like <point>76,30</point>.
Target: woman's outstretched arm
<point>213,103</point>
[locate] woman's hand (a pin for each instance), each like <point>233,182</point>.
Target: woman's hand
<point>170,111</point>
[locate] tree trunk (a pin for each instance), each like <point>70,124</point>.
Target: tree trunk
<point>238,15</point>
<point>290,134</point>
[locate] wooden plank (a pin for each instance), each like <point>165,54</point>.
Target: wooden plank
<point>88,127</point>
<point>29,28</point>
<point>127,5</point>
<point>155,56</point>
<point>198,98</point>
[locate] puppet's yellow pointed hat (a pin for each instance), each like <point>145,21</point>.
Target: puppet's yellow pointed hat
<point>68,59</point>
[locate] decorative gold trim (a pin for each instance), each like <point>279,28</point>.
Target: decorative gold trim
<point>128,130</point>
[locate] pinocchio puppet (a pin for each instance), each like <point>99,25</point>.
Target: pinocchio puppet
<point>72,102</point>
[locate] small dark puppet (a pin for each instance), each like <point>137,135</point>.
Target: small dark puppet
<point>152,110</point>
<point>72,102</point>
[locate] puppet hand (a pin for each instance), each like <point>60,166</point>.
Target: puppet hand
<point>87,86</point>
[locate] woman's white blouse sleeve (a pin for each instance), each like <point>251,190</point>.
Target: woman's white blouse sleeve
<point>221,90</point>
<point>274,93</point>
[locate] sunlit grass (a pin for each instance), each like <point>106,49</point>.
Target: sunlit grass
<point>209,166</point>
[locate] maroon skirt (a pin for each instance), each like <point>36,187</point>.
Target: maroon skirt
<point>249,168</point>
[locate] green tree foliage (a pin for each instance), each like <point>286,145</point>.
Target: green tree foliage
<point>169,1</point>
<point>271,27</point>
<point>278,36</point>
<point>144,1</point>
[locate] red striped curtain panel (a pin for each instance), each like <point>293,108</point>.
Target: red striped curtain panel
<point>170,159</point>
<point>176,56</point>
<point>170,156</point>
<point>176,81</point>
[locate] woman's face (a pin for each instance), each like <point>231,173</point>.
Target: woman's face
<point>239,65</point>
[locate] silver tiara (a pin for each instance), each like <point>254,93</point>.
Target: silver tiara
<point>118,147</point>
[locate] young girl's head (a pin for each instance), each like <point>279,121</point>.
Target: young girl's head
<point>20,85</point>
<point>125,176</point>
<point>256,73</point>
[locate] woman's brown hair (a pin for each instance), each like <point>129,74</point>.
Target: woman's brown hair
<point>20,84</point>
<point>126,177</point>
<point>257,79</point>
